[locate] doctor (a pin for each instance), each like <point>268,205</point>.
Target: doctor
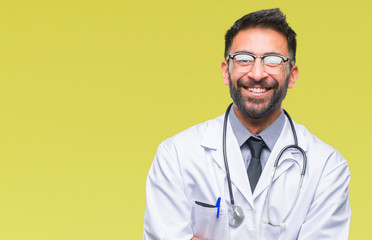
<point>187,189</point>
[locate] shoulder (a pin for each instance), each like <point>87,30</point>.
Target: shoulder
<point>195,135</point>
<point>187,146</point>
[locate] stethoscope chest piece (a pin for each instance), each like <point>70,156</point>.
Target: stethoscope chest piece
<point>236,216</point>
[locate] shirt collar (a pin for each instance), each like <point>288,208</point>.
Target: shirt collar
<point>269,134</point>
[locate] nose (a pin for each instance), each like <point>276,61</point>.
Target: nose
<point>257,72</point>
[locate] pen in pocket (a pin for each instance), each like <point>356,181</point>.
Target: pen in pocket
<point>218,204</point>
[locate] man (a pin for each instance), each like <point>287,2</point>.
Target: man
<point>188,190</point>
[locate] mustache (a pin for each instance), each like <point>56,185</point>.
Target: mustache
<point>253,83</point>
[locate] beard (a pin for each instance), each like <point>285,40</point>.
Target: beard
<point>258,108</point>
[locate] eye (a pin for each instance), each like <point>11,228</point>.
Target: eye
<point>272,60</point>
<point>244,59</point>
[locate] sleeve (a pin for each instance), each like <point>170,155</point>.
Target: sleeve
<point>167,213</point>
<point>329,214</point>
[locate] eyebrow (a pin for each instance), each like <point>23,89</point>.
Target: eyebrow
<point>268,53</point>
<point>243,52</point>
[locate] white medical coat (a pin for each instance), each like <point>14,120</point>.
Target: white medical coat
<point>189,167</point>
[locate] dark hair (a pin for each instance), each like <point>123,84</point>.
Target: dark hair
<point>267,19</point>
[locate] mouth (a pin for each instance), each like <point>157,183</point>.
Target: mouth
<point>257,89</point>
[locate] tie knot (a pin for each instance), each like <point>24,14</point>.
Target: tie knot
<point>255,145</point>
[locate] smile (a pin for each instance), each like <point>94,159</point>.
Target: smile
<point>257,90</point>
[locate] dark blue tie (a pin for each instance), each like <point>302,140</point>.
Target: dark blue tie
<point>255,169</point>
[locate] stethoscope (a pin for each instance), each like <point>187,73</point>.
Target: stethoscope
<point>235,212</point>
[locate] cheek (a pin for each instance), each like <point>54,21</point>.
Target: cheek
<point>236,76</point>
<point>283,80</point>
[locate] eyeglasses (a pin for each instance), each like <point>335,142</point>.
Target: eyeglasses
<point>271,63</point>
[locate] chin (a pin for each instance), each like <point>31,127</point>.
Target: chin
<point>258,112</point>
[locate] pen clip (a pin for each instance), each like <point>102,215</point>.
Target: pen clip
<point>218,204</point>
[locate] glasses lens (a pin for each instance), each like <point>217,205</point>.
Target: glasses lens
<point>273,64</point>
<point>243,62</point>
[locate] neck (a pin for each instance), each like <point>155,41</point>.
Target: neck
<point>256,126</point>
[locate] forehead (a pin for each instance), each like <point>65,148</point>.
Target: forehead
<point>259,42</point>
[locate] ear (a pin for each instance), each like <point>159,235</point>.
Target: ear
<point>293,77</point>
<point>225,72</point>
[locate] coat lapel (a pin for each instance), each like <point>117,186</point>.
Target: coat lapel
<point>288,158</point>
<point>238,174</point>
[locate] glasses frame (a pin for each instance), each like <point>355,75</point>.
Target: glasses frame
<point>285,59</point>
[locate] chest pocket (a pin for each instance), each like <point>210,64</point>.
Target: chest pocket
<point>206,224</point>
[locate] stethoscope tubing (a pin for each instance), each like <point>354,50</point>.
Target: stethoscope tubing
<point>225,155</point>
<point>276,163</point>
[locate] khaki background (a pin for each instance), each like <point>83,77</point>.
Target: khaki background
<point>88,89</point>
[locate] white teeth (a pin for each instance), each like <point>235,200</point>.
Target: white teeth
<point>257,90</point>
